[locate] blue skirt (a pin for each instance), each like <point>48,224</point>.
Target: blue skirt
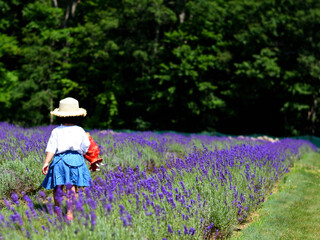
<point>67,167</point>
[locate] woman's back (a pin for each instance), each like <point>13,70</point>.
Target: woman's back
<point>68,138</point>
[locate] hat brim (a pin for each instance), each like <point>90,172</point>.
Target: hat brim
<point>80,112</point>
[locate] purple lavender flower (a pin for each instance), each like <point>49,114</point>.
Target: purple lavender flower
<point>27,234</point>
<point>93,219</point>
<point>28,215</point>
<point>42,195</point>
<point>121,209</point>
<point>160,195</point>
<point>16,218</point>
<point>109,207</point>
<point>58,211</point>
<point>7,203</point>
<point>192,231</point>
<point>210,226</point>
<point>186,231</point>
<point>79,206</point>
<point>129,217</point>
<point>110,197</point>
<point>148,213</point>
<point>59,195</point>
<point>144,206</point>
<point>1,218</point>
<point>125,222</point>
<point>92,203</point>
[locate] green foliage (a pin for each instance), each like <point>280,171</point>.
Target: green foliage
<point>155,64</point>
<point>19,175</point>
<point>8,78</point>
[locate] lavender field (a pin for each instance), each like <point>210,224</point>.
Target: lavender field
<point>152,186</point>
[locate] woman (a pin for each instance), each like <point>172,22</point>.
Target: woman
<point>66,146</point>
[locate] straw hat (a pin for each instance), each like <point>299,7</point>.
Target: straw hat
<point>69,107</point>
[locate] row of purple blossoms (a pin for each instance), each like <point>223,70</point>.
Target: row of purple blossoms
<point>203,194</point>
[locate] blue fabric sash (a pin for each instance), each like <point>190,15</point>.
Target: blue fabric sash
<point>71,158</point>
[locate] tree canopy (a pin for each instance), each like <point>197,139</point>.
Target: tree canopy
<point>237,67</point>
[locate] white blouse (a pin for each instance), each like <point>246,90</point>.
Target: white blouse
<point>64,138</point>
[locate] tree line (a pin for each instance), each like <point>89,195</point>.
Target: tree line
<point>237,67</point>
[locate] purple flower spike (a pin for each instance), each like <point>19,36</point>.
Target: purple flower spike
<point>186,232</point>
<point>129,217</point>
<point>58,211</point>
<point>50,206</point>
<point>7,203</point>
<point>68,186</point>
<point>59,195</point>
<point>16,218</point>
<point>192,231</point>
<point>109,207</point>
<point>79,207</point>
<point>110,197</point>
<point>121,209</point>
<point>27,234</point>
<point>15,198</point>
<point>93,219</point>
<point>170,229</point>
<point>42,195</point>
<point>125,222</point>
<point>148,213</point>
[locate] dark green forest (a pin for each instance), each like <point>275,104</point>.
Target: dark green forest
<point>237,67</point>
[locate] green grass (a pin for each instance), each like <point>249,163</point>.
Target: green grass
<point>293,211</point>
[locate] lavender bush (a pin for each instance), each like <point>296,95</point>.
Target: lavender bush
<point>203,194</point>
<point>22,152</point>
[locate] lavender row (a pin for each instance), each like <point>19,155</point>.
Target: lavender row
<point>206,193</point>
<point>22,151</point>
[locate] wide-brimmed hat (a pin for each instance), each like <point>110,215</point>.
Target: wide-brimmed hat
<point>69,107</point>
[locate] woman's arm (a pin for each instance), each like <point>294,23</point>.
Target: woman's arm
<point>46,163</point>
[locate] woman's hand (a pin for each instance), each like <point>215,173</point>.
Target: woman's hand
<point>45,168</point>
